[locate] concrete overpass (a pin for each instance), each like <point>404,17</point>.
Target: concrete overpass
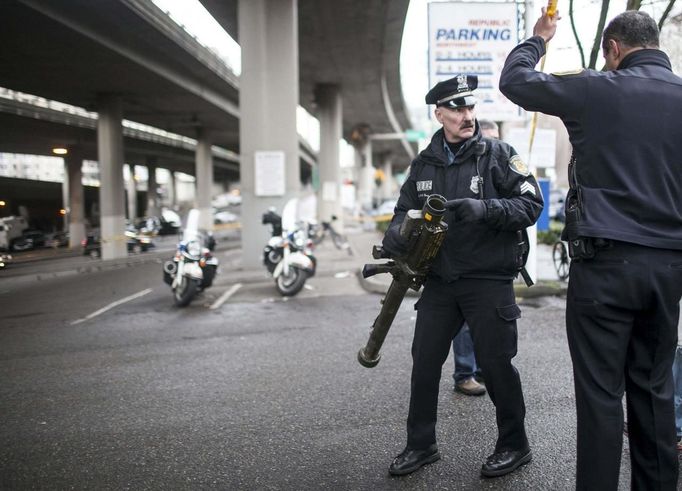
<point>30,127</point>
<point>127,59</point>
<point>354,45</point>
<point>340,60</point>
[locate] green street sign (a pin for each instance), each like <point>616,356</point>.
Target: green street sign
<point>414,135</point>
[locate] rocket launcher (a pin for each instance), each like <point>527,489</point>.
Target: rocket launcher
<point>424,230</point>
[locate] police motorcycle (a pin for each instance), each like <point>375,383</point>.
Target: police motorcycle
<point>272,252</point>
<point>288,254</point>
<point>194,266</point>
<point>5,259</point>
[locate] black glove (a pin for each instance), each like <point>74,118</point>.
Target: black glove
<point>469,210</point>
<point>393,243</point>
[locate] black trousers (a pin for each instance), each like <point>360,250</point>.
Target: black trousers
<point>621,317</point>
<point>490,309</point>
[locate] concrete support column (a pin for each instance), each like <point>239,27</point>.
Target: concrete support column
<point>65,197</point>
<point>172,190</point>
<point>111,191</point>
<point>204,182</point>
<point>75,202</point>
<point>366,179</point>
<point>387,184</point>
<point>356,173</point>
<point>152,196</point>
<point>328,98</point>
<point>269,87</point>
<point>131,187</point>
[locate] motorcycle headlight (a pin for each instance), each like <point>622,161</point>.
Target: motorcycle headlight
<point>194,248</point>
<point>299,239</point>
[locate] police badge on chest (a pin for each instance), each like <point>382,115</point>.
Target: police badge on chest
<point>476,184</point>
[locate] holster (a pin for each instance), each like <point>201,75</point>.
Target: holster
<point>581,248</point>
<point>578,247</point>
<point>523,250</point>
<point>587,247</point>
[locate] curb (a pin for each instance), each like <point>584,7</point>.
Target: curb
<point>96,266</point>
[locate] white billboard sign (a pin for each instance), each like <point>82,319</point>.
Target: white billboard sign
<point>474,38</point>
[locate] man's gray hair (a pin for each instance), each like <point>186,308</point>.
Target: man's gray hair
<point>632,28</point>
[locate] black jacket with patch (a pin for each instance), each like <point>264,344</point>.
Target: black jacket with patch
<point>488,249</point>
<point>625,126</point>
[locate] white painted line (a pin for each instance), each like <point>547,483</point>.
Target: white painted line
<point>223,298</point>
<point>112,305</point>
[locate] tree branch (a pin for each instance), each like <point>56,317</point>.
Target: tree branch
<point>665,14</point>
<point>575,33</point>
<point>600,28</point>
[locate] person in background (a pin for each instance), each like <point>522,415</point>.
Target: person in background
<point>624,230</point>
<point>467,374</point>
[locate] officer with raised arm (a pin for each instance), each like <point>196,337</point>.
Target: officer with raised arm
<point>624,227</point>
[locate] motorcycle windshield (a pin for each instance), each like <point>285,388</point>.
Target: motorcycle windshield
<point>191,231</point>
<point>290,215</point>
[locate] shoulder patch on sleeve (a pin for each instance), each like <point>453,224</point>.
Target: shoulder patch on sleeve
<point>518,165</point>
<point>569,72</point>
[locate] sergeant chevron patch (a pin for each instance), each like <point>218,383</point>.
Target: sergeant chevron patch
<point>527,187</point>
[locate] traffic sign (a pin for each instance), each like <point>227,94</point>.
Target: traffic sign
<point>414,135</point>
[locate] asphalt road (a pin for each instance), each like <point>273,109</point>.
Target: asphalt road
<point>258,393</point>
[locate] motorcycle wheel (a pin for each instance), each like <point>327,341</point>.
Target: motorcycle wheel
<point>185,291</point>
<point>291,284</point>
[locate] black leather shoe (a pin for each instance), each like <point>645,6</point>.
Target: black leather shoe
<point>501,463</point>
<point>410,460</point>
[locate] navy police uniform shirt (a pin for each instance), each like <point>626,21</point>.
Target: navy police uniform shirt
<point>488,249</point>
<point>625,126</point>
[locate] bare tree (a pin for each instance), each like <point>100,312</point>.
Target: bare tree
<point>575,33</point>
<point>670,41</point>
<point>596,45</point>
<point>665,14</point>
<point>594,54</point>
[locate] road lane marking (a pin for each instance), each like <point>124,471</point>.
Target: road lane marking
<point>223,298</point>
<point>112,305</point>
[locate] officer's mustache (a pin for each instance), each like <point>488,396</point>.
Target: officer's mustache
<point>467,125</point>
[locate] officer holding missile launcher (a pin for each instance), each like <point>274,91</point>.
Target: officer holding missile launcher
<point>495,199</point>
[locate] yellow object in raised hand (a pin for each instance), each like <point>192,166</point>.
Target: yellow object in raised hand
<point>551,7</point>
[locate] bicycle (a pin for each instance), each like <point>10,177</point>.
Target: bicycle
<point>561,260</point>
<point>318,232</point>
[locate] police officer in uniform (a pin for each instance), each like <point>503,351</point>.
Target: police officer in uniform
<point>471,278</point>
<point>624,226</point>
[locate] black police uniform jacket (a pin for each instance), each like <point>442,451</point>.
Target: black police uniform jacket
<point>625,126</point>
<point>488,249</point>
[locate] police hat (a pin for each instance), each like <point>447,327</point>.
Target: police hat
<point>455,92</point>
